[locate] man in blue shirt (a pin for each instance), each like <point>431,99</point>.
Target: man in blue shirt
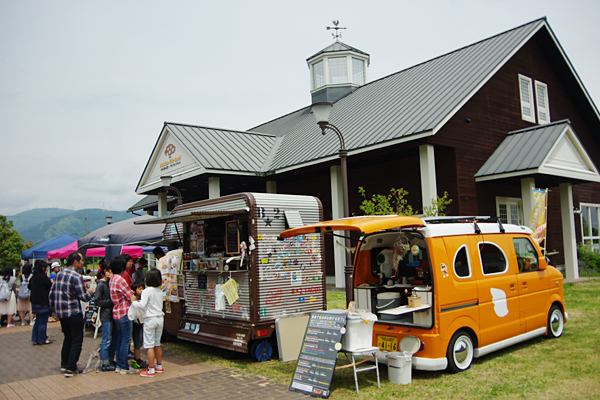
<point>66,292</point>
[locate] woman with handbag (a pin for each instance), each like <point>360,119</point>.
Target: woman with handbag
<point>40,285</point>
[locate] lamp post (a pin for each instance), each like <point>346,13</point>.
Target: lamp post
<point>108,220</point>
<point>166,181</point>
<point>321,111</point>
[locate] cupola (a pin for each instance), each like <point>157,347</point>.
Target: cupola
<point>336,71</point>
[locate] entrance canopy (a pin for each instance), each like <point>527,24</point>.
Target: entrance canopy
<point>64,252</point>
<point>40,250</point>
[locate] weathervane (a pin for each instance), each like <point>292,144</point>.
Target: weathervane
<point>337,28</point>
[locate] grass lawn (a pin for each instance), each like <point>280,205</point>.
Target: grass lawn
<point>564,368</point>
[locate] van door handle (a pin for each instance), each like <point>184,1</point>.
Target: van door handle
<point>524,286</point>
<point>512,287</point>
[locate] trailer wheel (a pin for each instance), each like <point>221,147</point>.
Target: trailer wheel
<point>261,350</point>
<point>460,352</point>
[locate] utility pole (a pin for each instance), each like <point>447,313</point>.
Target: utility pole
<point>85,218</point>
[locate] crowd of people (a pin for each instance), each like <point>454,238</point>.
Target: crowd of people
<point>130,308</point>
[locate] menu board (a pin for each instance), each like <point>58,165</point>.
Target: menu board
<point>232,238</point>
<point>318,355</point>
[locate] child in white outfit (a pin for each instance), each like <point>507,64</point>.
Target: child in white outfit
<point>151,303</point>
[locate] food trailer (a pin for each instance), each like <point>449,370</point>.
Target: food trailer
<point>236,238</point>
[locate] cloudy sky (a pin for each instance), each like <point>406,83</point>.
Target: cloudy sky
<point>85,86</point>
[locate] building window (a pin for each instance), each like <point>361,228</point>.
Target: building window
<point>338,70</point>
<point>526,91</point>
<point>590,217</point>
<point>508,210</point>
<point>541,100</point>
<point>358,71</point>
<point>318,75</point>
<point>528,109</point>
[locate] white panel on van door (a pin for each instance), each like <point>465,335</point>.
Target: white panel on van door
<point>498,301</point>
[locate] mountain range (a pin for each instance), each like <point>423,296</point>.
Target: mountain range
<point>42,224</point>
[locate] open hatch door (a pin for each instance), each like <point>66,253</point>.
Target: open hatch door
<point>365,224</point>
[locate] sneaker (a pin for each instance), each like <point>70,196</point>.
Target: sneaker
<point>32,323</point>
<point>63,369</point>
<point>147,374</point>
<point>69,373</point>
<point>135,364</point>
<point>143,364</point>
<point>130,356</point>
<point>117,369</point>
<point>10,325</point>
<point>159,370</point>
<point>128,371</point>
<point>109,367</point>
<point>23,323</point>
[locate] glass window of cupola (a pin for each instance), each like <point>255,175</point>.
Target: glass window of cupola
<point>318,74</point>
<point>358,71</point>
<point>338,70</point>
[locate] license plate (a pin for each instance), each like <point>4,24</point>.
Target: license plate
<point>388,343</point>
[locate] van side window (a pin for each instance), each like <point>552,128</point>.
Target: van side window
<point>527,257</point>
<point>493,259</point>
<point>462,268</point>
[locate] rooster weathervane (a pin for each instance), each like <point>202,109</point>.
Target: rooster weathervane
<point>337,35</point>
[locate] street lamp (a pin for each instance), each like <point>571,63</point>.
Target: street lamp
<point>166,181</point>
<point>108,220</point>
<point>321,111</point>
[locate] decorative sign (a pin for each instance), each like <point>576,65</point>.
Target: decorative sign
<point>318,355</point>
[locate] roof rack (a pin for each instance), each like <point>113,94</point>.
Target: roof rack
<point>474,220</point>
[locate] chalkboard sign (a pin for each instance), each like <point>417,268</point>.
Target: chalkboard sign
<point>318,355</point>
<point>232,240</point>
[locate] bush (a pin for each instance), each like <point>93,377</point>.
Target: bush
<point>588,256</point>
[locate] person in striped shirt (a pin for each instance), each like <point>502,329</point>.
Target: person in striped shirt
<point>66,292</point>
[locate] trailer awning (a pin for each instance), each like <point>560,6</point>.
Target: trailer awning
<point>188,216</point>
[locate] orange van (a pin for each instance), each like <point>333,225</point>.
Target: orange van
<point>463,286</point>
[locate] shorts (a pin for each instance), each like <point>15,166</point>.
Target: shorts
<point>137,335</point>
<point>153,328</point>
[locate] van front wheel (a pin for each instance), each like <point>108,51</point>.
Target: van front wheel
<point>460,352</point>
<point>556,322</point>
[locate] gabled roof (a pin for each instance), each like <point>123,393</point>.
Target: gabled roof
<point>551,149</point>
<point>404,106</point>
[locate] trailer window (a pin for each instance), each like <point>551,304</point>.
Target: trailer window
<point>462,268</point>
<point>493,259</point>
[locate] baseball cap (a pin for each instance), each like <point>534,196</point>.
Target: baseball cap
<point>55,264</point>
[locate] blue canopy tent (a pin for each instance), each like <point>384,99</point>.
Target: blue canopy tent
<point>40,250</point>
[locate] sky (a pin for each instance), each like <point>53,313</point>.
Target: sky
<point>85,86</point>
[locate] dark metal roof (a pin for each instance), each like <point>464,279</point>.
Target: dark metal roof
<point>402,106</point>
<point>523,150</point>
<point>221,149</point>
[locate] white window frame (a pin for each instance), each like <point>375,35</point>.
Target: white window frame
<point>464,246</point>
<point>510,201</point>
<point>543,113</point>
<point>479,246</point>
<point>589,237</point>
<point>525,83</point>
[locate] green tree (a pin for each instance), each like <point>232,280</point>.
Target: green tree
<point>395,203</point>
<point>11,244</point>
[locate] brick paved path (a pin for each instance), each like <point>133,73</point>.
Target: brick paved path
<point>33,372</point>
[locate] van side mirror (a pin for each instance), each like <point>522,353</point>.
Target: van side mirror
<point>542,263</point>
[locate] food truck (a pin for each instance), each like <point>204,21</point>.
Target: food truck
<point>232,276</point>
<point>463,286</point>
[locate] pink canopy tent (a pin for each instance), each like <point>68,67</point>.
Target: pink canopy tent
<point>133,251</point>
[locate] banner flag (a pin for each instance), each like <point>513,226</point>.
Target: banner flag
<point>538,221</point>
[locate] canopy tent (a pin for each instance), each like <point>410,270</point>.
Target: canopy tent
<point>64,252</point>
<point>124,232</point>
<point>40,250</point>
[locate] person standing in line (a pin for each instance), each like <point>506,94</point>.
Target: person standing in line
<point>55,268</point>
<point>158,254</point>
<point>122,296</point>
<point>67,291</point>
<point>140,272</point>
<point>128,268</point>
<point>109,329</point>
<point>151,304</point>
<point>8,307</point>
<point>39,286</point>
<point>24,303</point>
